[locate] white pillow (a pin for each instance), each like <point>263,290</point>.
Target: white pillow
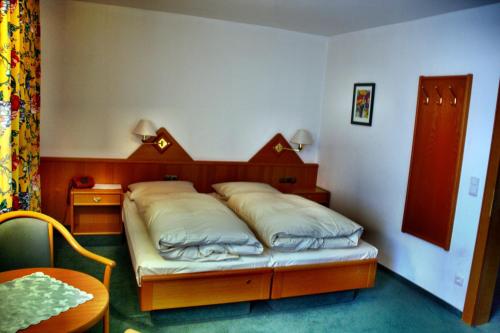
<point>231,188</point>
<point>159,187</point>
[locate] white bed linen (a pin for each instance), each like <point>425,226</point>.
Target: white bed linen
<point>291,223</point>
<point>147,261</point>
<point>196,227</point>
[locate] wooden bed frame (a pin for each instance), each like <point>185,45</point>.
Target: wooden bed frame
<point>217,287</point>
<point>195,289</point>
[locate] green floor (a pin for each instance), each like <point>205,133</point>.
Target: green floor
<point>393,305</point>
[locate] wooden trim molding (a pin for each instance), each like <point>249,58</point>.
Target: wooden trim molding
<point>486,259</point>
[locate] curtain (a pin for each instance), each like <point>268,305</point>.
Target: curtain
<point>19,105</point>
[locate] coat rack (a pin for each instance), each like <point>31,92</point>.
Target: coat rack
<point>426,96</point>
<point>454,98</point>
<point>436,160</point>
<point>440,100</point>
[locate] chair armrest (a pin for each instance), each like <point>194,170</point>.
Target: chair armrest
<point>86,253</point>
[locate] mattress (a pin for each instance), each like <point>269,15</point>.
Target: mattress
<point>361,252</point>
<point>147,261</point>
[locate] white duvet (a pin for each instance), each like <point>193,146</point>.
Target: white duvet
<point>195,226</point>
<point>288,222</point>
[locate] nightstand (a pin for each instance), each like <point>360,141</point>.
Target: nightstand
<point>96,211</point>
<point>317,194</point>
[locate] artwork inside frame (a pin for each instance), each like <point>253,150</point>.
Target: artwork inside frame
<point>362,104</point>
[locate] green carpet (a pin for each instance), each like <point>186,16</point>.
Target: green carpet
<point>393,305</point>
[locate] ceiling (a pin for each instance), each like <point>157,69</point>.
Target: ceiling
<point>320,17</point>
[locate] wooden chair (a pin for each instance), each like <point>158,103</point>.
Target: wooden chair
<point>26,242</point>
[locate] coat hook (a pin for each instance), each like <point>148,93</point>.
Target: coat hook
<point>454,100</point>
<point>425,95</point>
<point>440,97</point>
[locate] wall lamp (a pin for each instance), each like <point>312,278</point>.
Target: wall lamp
<point>147,132</point>
<point>302,137</point>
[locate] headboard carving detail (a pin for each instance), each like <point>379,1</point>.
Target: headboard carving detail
<point>173,152</point>
<point>267,154</point>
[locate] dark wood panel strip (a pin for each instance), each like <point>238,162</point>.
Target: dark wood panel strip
<point>127,161</point>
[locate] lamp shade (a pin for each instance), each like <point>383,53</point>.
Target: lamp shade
<point>302,137</point>
<point>145,128</point>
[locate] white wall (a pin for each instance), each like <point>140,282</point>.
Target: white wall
<point>366,168</point>
<point>221,89</point>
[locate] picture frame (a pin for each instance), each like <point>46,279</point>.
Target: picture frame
<point>362,104</point>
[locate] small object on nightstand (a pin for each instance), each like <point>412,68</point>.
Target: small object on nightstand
<point>107,187</point>
<point>97,210</point>
<point>317,194</point>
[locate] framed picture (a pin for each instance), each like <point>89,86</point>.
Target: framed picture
<point>362,103</point>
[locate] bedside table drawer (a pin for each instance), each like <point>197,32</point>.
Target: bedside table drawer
<point>81,199</point>
<point>316,194</point>
<point>322,198</point>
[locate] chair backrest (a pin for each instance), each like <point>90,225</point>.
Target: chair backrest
<point>23,216</point>
<point>25,242</point>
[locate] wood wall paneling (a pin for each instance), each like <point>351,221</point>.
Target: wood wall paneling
<point>148,164</point>
<point>436,159</point>
<point>56,173</point>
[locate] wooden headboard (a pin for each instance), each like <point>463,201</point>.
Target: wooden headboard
<point>280,170</point>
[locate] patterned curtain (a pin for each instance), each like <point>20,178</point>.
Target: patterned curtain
<point>19,105</point>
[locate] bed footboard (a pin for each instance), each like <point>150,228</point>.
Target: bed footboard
<point>323,278</point>
<point>218,287</point>
<point>196,289</point>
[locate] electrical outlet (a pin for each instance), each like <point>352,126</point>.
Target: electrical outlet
<point>474,186</point>
<point>459,281</point>
<point>288,180</point>
<point>170,177</point>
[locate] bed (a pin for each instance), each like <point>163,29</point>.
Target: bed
<point>164,284</point>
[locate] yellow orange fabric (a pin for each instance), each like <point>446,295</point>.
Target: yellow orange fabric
<point>19,105</point>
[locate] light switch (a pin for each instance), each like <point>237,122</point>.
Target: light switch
<point>474,186</point>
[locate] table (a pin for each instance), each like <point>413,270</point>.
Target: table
<point>96,211</point>
<point>77,319</point>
